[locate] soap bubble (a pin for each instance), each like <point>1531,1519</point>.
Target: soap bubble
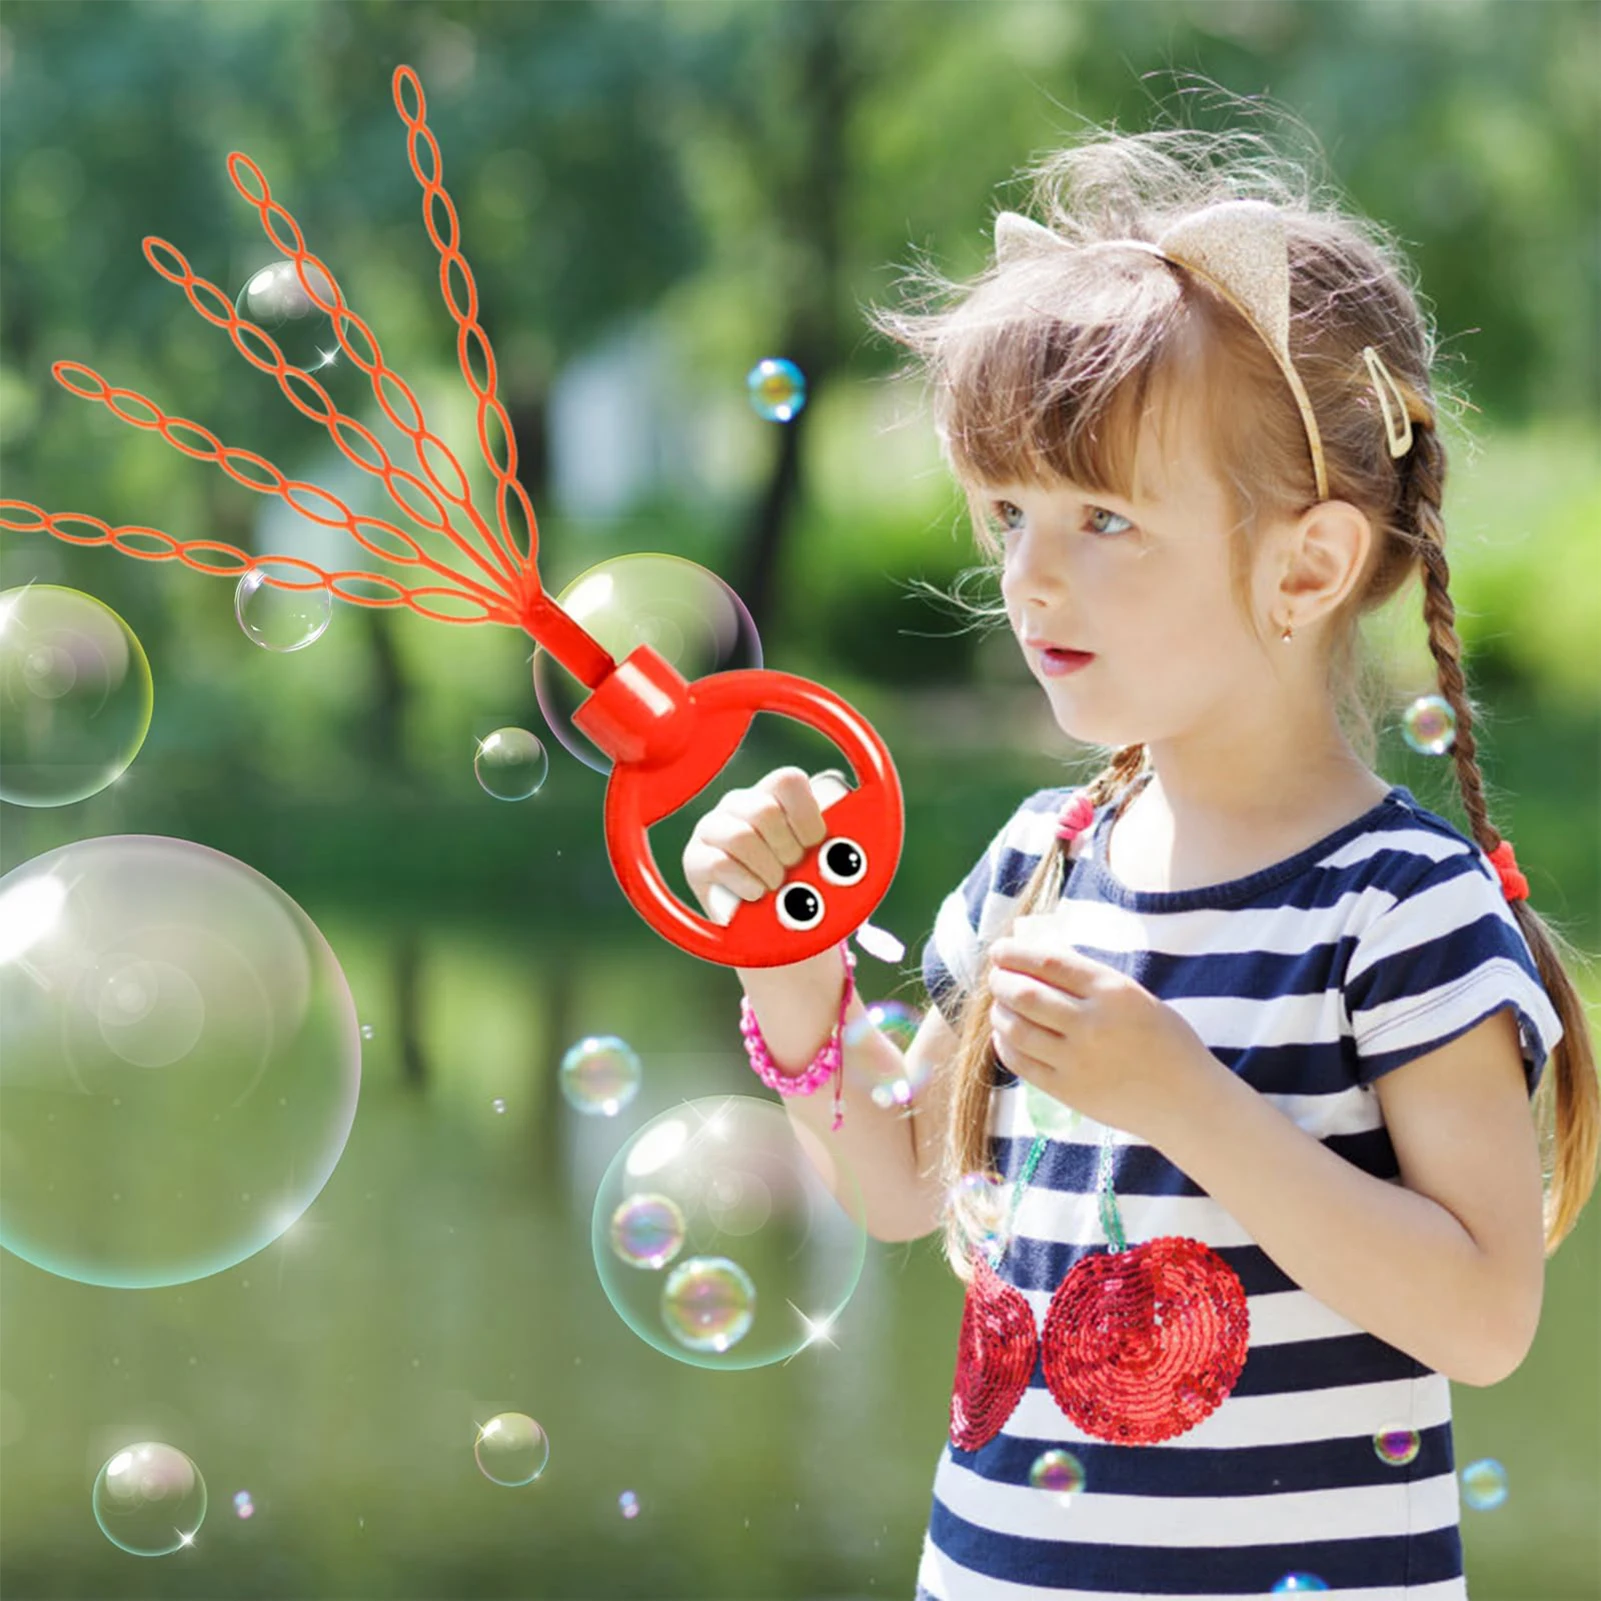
<point>242,1505</point>
<point>982,1204</point>
<point>498,1105</point>
<point>511,764</point>
<point>647,1231</point>
<point>1058,1472</point>
<point>1428,725</point>
<point>1484,1484</point>
<point>367,1031</point>
<point>708,1304</point>
<point>1299,1584</point>
<point>777,389</point>
<point>766,1256</point>
<point>685,613</point>
<point>600,1075</point>
<point>75,696</point>
<point>149,1499</point>
<point>280,619</point>
<point>1049,1116</point>
<point>628,1504</point>
<point>898,1023</point>
<point>275,300</point>
<point>511,1449</point>
<point>1397,1445</point>
<point>181,1061</point>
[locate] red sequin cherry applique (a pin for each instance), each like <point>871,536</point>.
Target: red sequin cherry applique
<point>1142,1344</point>
<point>994,1357</point>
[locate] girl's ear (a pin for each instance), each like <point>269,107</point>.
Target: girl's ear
<point>1324,560</point>
<point>1017,235</point>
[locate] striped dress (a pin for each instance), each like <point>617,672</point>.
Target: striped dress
<point>1310,979</point>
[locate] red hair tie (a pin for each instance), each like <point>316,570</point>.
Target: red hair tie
<point>1513,884</point>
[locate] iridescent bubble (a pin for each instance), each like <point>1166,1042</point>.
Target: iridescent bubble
<point>181,1061</point>
<point>647,1230</point>
<point>777,389</point>
<point>1299,1584</point>
<point>600,1075</point>
<point>1484,1484</point>
<point>242,1505</point>
<point>685,613</point>
<point>1058,1472</point>
<point>628,1504</point>
<point>981,1203</point>
<point>75,696</point>
<point>281,618</point>
<point>149,1499</point>
<point>511,764</point>
<point>367,1031</point>
<point>511,1449</point>
<point>1048,1115</point>
<point>897,1021</point>
<point>766,1255</point>
<point>498,1104</point>
<point>275,300</point>
<point>708,1303</point>
<point>1428,725</point>
<point>899,1024</point>
<point>1397,1445</point>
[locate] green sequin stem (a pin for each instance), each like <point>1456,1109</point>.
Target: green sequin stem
<point>1106,1197</point>
<point>1030,1162</point>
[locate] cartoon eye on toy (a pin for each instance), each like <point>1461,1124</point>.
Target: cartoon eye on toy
<point>799,906</point>
<point>842,861</point>
<point>667,738</point>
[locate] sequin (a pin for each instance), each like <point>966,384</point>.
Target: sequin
<point>994,1358</point>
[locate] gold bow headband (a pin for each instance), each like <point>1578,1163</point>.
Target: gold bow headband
<point>1238,249</point>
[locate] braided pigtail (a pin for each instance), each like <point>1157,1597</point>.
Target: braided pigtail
<point>1568,1103</point>
<point>974,1063</point>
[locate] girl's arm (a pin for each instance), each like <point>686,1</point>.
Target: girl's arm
<point>893,1152</point>
<point>1448,1265</point>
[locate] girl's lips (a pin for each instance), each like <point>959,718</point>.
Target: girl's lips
<point>1058,663</point>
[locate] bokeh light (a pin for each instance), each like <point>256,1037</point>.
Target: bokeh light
<point>1484,1484</point>
<point>243,1506</point>
<point>149,1499</point>
<point>767,1254</point>
<point>511,764</point>
<point>75,696</point>
<point>275,300</point>
<point>628,1504</point>
<point>280,619</point>
<point>511,1449</point>
<point>1397,1445</point>
<point>1428,725</point>
<point>600,1075</point>
<point>682,611</point>
<point>179,1061</point>
<point>1299,1584</point>
<point>777,389</point>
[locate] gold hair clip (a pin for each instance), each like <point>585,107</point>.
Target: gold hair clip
<point>1399,434</point>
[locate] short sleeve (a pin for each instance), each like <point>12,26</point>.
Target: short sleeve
<point>1443,957</point>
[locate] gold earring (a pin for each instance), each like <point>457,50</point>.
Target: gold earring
<point>1286,636</point>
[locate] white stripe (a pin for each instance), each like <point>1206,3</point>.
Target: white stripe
<point>1357,1512</point>
<point>1425,1016</point>
<point>1298,1417</point>
<point>1429,913</point>
<point>1286,1317</point>
<point>950,1581</point>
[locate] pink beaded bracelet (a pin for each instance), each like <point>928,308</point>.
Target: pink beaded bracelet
<point>825,1065</point>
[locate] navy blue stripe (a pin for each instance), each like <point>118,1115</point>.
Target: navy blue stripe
<point>1396,1561</point>
<point>1448,955</point>
<point>1042,1264</point>
<point>1171,1470</point>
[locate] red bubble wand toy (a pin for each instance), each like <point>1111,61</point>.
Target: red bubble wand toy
<point>668,738</point>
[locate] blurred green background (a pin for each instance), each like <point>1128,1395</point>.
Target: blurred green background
<point>654,196</point>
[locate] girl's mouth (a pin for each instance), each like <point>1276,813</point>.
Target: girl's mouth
<point>1058,663</point>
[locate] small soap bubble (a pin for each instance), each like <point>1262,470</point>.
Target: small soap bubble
<point>278,618</point>
<point>511,764</point>
<point>367,1031</point>
<point>1428,725</point>
<point>708,1303</point>
<point>777,389</point>
<point>687,614</point>
<point>1397,1445</point>
<point>600,1075</point>
<point>628,1504</point>
<point>981,1202</point>
<point>275,300</point>
<point>75,696</point>
<point>498,1105</point>
<point>647,1231</point>
<point>511,1449</point>
<point>899,1024</point>
<point>897,1021</point>
<point>149,1499</point>
<point>1299,1584</point>
<point>1484,1484</point>
<point>1058,1472</point>
<point>1049,1116</point>
<point>242,1504</point>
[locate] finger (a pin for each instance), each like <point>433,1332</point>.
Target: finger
<point>765,809</point>
<point>1060,965</point>
<point>724,851</point>
<point>749,826</point>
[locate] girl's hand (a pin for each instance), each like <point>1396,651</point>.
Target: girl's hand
<point>1089,1036</point>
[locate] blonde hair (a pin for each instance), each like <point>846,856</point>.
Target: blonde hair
<point>1041,369</point>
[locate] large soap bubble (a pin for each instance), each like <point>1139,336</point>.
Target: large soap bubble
<point>150,1499</point>
<point>683,611</point>
<point>764,1257</point>
<point>75,696</point>
<point>179,1061</point>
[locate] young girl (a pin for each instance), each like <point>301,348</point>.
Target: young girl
<point>1246,1036</point>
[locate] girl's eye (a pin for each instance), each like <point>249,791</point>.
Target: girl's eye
<point>1101,511</point>
<point>1007,515</point>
